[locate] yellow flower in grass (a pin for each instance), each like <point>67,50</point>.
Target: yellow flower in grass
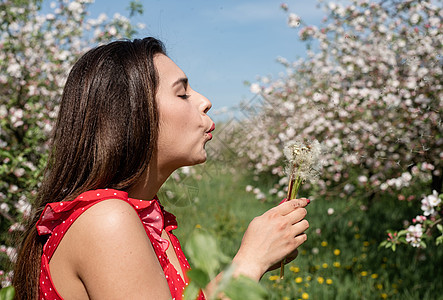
<point>379,286</point>
<point>394,286</point>
<point>308,278</point>
<point>336,264</point>
<point>324,243</point>
<point>305,296</point>
<point>337,252</point>
<point>307,285</point>
<point>374,276</point>
<point>294,269</point>
<point>366,243</point>
<point>298,280</point>
<point>357,236</point>
<point>328,281</point>
<point>325,266</point>
<point>286,298</point>
<point>384,295</point>
<point>274,277</point>
<point>320,280</point>
<point>364,273</point>
<point>198,226</point>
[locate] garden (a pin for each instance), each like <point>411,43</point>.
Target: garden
<point>369,91</point>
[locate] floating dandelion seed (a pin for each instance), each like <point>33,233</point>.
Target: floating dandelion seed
<point>303,164</point>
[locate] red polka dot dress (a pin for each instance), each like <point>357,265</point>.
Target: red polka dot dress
<point>57,217</point>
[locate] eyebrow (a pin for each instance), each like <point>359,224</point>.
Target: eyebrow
<point>183,81</point>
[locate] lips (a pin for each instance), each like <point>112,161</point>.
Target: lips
<point>209,131</point>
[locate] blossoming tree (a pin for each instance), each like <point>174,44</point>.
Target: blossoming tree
<point>370,89</point>
<point>36,52</point>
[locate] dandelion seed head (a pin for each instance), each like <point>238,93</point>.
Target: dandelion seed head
<point>303,159</point>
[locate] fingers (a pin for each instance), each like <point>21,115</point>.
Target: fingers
<point>291,205</point>
<point>296,215</point>
<point>299,228</point>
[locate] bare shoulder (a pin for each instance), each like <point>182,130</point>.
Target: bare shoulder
<point>109,215</point>
<point>111,252</point>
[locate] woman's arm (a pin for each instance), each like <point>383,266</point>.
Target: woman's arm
<point>268,240</point>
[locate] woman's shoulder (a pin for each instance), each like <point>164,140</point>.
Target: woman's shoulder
<point>111,222</point>
<point>114,251</point>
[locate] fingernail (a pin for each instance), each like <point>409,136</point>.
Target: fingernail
<point>309,201</point>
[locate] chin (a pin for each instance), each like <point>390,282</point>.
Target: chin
<point>198,160</point>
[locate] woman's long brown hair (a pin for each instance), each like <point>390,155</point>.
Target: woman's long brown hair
<point>104,137</point>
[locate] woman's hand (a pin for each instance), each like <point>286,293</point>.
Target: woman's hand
<point>271,237</point>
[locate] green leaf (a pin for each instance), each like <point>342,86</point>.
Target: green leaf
<point>7,293</point>
<point>440,227</point>
<point>191,291</point>
<point>135,8</point>
<point>200,278</point>
<point>423,244</point>
<point>244,288</point>
<point>394,247</point>
<point>402,232</point>
<point>204,253</point>
<point>439,240</point>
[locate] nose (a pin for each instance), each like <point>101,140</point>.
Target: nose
<point>205,104</point>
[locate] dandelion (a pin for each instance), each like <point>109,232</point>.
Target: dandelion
<point>374,276</point>
<point>305,296</point>
<point>364,273</point>
<point>328,281</point>
<point>303,164</point>
<point>337,252</point>
<point>320,280</point>
<point>294,269</point>
<point>273,277</point>
<point>325,266</point>
<point>298,280</point>
<point>324,244</point>
<point>336,264</point>
<point>366,243</point>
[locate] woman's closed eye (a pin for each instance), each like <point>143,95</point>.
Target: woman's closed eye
<point>184,96</point>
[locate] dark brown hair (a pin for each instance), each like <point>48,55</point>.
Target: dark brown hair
<point>104,137</point>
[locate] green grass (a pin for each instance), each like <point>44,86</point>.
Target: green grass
<point>357,270</point>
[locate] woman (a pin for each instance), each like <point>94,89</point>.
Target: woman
<point>128,118</point>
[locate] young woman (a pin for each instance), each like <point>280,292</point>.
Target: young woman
<point>128,118</point>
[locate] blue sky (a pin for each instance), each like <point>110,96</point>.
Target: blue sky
<point>221,43</point>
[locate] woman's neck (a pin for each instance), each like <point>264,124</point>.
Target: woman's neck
<point>150,181</point>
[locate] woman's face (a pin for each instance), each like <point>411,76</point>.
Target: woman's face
<point>184,126</point>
